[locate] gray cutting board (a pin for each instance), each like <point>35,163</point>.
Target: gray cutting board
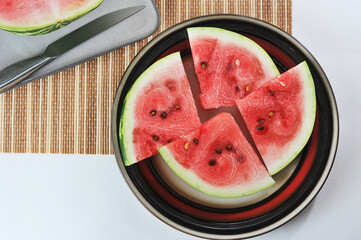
<point>14,48</point>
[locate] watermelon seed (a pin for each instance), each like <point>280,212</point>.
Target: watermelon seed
<point>238,62</point>
<point>177,107</point>
<point>229,147</point>
<point>170,85</point>
<point>240,159</point>
<point>186,146</point>
<point>283,84</point>
<point>156,138</point>
<point>212,162</point>
<point>272,92</point>
<point>259,127</point>
<point>218,150</point>
<point>203,65</point>
<point>261,121</point>
<point>196,141</point>
<point>153,113</point>
<point>237,89</point>
<point>270,114</point>
<point>163,115</point>
<point>248,87</point>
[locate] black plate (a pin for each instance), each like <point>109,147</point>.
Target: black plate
<point>267,213</point>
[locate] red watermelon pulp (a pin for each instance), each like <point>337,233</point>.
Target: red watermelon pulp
<point>217,159</point>
<point>228,65</point>
<point>157,110</point>
<point>33,17</point>
<point>280,116</point>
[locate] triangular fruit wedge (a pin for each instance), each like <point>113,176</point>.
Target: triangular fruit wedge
<point>280,116</point>
<point>157,110</point>
<point>228,65</point>
<point>217,159</point>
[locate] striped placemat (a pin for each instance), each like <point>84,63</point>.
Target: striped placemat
<point>69,112</point>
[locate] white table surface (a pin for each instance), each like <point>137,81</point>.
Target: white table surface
<point>85,197</point>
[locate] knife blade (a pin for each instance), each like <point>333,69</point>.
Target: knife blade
<point>18,72</point>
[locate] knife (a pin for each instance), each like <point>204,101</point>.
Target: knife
<point>18,72</point>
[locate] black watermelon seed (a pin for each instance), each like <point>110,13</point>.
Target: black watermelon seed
<point>177,107</point>
<point>153,113</point>
<point>196,141</point>
<point>272,92</point>
<point>212,162</point>
<point>163,115</point>
<point>259,127</point>
<point>203,65</point>
<point>229,147</point>
<point>240,158</point>
<point>156,138</point>
<point>218,150</point>
<point>261,121</point>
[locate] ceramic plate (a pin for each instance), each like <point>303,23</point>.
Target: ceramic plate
<point>173,201</point>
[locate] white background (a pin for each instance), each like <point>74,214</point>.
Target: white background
<point>85,197</point>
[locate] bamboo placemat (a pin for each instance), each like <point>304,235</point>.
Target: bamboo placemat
<point>69,112</point>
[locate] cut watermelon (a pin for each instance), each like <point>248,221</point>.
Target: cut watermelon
<point>29,17</point>
<point>280,116</point>
<point>217,159</point>
<point>228,65</point>
<point>157,110</point>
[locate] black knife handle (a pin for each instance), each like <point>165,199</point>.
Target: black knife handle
<point>19,71</point>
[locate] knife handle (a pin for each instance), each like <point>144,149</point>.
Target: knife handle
<point>19,71</point>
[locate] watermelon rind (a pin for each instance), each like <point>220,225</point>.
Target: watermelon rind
<point>226,36</point>
<point>308,121</point>
<point>127,123</point>
<point>50,26</point>
<point>223,191</point>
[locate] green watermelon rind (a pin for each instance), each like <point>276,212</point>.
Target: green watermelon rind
<point>227,36</point>
<point>222,191</point>
<point>42,29</point>
<point>47,28</point>
<point>308,121</point>
<point>127,116</point>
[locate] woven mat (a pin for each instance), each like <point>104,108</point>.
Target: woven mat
<point>69,112</point>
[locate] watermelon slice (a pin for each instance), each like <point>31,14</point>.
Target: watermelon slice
<point>157,110</point>
<point>280,116</point>
<point>34,17</point>
<point>228,65</point>
<point>217,159</point>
